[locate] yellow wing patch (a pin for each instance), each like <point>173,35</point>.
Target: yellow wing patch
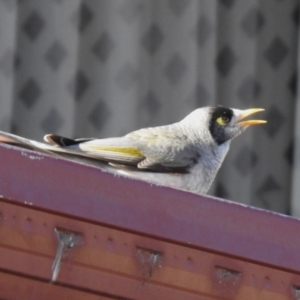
<point>122,150</point>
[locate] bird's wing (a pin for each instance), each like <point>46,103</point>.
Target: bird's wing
<point>116,150</point>
<point>165,146</point>
<point>155,149</point>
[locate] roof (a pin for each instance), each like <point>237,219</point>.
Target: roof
<point>71,230</point>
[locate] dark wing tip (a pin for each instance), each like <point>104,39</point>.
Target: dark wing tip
<point>59,140</point>
<point>62,141</point>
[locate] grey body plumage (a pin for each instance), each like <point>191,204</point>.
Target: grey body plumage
<point>185,155</point>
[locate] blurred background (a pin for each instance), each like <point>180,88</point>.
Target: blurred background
<point>100,68</point>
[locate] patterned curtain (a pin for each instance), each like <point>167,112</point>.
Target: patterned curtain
<point>106,67</point>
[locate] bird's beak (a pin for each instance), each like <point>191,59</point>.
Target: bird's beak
<point>246,113</point>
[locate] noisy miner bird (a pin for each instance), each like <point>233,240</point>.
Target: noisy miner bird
<point>185,155</point>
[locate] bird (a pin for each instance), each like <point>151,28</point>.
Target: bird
<point>185,155</point>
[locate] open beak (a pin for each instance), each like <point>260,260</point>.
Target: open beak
<point>246,113</point>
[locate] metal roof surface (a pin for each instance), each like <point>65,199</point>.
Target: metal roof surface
<point>70,229</point>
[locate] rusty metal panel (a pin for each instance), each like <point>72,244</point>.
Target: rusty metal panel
<point>125,239</point>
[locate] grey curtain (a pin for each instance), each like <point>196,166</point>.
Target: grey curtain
<point>106,67</point>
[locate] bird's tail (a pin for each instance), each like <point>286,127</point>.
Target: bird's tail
<point>56,145</point>
<point>51,147</point>
<point>12,139</point>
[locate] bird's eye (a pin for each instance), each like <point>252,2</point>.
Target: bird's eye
<point>223,120</point>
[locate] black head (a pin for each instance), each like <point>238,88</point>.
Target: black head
<point>220,123</point>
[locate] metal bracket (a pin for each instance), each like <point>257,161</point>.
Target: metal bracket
<point>227,281</point>
<point>67,240</point>
<point>148,261</point>
<point>296,291</point>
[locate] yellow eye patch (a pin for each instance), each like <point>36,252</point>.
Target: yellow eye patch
<point>223,121</point>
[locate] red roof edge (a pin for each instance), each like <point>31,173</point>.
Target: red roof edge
<point>54,184</point>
